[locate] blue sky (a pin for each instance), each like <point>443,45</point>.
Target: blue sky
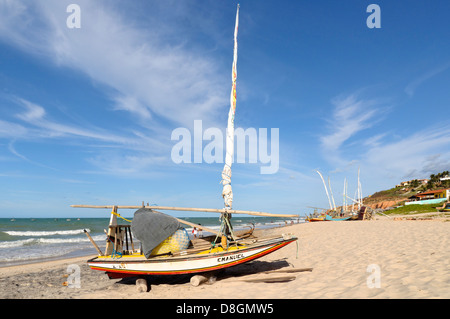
<point>86,114</point>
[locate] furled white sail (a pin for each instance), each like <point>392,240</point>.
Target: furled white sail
<point>227,192</point>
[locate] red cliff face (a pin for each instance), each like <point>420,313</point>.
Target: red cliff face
<point>384,204</point>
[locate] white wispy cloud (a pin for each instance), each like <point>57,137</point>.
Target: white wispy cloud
<point>12,149</point>
<point>147,68</point>
<point>350,116</point>
<point>107,151</point>
<point>146,73</point>
<point>386,154</point>
<point>413,85</point>
<point>417,155</point>
<point>12,130</point>
<point>35,116</point>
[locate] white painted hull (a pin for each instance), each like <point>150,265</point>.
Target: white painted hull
<point>203,262</point>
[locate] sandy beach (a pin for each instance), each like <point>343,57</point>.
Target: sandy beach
<point>379,259</point>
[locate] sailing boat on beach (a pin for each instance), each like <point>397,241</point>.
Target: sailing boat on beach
<point>332,214</point>
<point>164,245</point>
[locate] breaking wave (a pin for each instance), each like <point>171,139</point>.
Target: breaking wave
<point>45,233</point>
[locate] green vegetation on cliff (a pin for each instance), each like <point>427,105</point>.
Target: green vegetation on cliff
<point>397,196</point>
<point>413,209</point>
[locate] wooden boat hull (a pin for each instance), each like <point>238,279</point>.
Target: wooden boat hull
<point>128,266</point>
<point>316,219</point>
<point>329,218</point>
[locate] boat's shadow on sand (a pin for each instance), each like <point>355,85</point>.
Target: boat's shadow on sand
<point>251,268</point>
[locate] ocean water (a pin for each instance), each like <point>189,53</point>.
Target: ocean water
<point>27,240</point>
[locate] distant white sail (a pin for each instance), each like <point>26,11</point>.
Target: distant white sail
<point>359,192</point>
<point>227,192</point>
<point>331,192</point>
<point>325,185</point>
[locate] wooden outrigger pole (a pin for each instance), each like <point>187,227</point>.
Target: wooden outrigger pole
<point>190,209</point>
<point>112,230</point>
<point>196,225</point>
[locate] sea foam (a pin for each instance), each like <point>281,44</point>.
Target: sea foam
<point>45,233</point>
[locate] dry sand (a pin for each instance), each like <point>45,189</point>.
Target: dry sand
<point>412,258</point>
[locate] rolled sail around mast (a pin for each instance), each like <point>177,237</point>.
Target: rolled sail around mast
<point>227,192</point>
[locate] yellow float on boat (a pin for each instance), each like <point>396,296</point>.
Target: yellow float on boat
<point>178,241</point>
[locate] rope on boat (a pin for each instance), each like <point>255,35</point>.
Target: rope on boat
<point>118,215</point>
<point>213,243</point>
<point>224,223</point>
<point>115,253</point>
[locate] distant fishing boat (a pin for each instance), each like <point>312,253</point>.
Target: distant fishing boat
<point>326,215</point>
<point>316,216</point>
<point>445,208</point>
<point>165,247</point>
<point>333,214</point>
<point>315,219</point>
<point>329,218</point>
